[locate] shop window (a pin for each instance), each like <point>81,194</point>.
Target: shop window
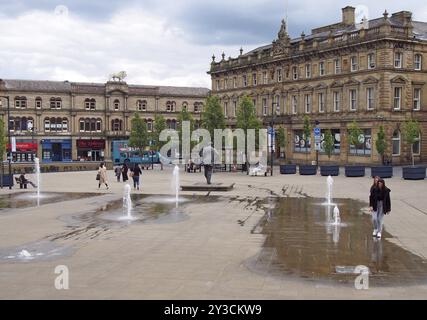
<point>337,141</point>
<point>301,143</point>
<point>364,145</point>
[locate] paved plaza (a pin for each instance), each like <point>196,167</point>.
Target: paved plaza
<point>205,255</point>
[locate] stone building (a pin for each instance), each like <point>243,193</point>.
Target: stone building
<point>65,121</point>
<point>373,72</point>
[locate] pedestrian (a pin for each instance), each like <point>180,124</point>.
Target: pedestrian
<point>102,172</point>
<point>118,173</point>
<point>209,155</point>
<point>135,176</point>
<point>125,169</point>
<point>23,181</point>
<point>379,205</point>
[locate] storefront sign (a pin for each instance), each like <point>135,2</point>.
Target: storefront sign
<point>23,146</point>
<point>97,144</point>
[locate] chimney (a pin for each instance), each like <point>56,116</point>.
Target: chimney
<point>348,16</point>
<point>403,17</point>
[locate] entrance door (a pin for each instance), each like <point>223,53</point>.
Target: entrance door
<point>56,152</point>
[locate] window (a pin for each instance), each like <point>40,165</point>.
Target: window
<point>416,146</point>
<point>353,62</point>
<point>56,125</point>
<point>245,80</point>
<point>47,125</point>
<point>370,99</point>
<point>149,125</point>
<point>398,60</point>
<point>353,100</point>
<point>81,125</point>
<point>234,82</point>
<point>18,124</point>
<point>418,62</point>
<point>234,108</point>
<point>170,106</point>
<point>336,101</point>
<point>38,103</point>
<point>397,98</point>
<point>225,83</point>
<point>396,143</point>
<point>98,125</point>
<point>64,125</point>
<point>55,103</point>
<point>371,61</point>
<point>254,79</point>
<point>116,125</point>
<point>308,71</point>
<point>277,104</point>
<point>279,75</point>
<point>307,103</point>
<point>322,68</point>
<point>337,140</point>
<point>90,104</point>
<point>265,77</point>
<point>294,104</point>
<point>20,102</point>
<point>295,73</point>
<point>417,99</point>
<point>264,106</point>
<point>225,108</point>
<point>171,124</point>
<point>198,106</point>
<point>217,85</point>
<point>301,144</point>
<point>90,125</point>
<point>116,104</point>
<point>321,100</point>
<point>141,105</point>
<point>337,66</point>
<point>364,145</point>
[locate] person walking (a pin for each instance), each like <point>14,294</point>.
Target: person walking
<point>118,173</point>
<point>136,174</point>
<point>125,169</point>
<point>209,155</point>
<point>380,205</point>
<point>102,171</point>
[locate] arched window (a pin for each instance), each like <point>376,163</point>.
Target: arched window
<point>90,104</point>
<point>116,104</point>
<point>396,142</point>
<point>55,103</point>
<point>185,106</point>
<point>90,125</point>
<point>55,124</point>
<point>38,103</point>
<point>141,105</point>
<point>47,125</point>
<point>149,125</point>
<point>64,125</point>
<point>170,106</point>
<point>116,125</point>
<point>20,102</point>
<point>198,106</point>
<point>171,124</point>
<point>98,125</point>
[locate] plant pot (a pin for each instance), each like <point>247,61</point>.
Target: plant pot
<point>307,170</point>
<point>329,170</point>
<point>355,171</point>
<point>414,173</point>
<point>382,171</point>
<point>288,168</point>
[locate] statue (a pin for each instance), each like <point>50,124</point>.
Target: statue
<point>119,76</point>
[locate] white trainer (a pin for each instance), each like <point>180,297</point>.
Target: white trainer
<point>379,235</point>
<point>374,234</point>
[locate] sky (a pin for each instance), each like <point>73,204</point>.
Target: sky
<point>157,42</point>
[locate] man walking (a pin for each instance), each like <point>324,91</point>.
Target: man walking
<point>209,155</point>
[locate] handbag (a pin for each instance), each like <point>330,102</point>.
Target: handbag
<point>97,176</point>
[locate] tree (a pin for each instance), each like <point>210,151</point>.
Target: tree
<point>247,119</point>
<point>281,138</point>
<point>354,132</point>
<point>212,115</point>
<point>158,127</point>
<point>307,133</point>
<point>411,134</point>
<point>2,147</point>
<point>381,143</point>
<point>138,136</point>
<point>328,143</point>
<point>184,115</point>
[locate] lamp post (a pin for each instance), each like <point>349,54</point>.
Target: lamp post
<point>9,140</point>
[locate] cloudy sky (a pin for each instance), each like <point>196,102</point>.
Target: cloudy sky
<point>159,42</point>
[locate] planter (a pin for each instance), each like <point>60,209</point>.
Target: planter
<point>354,171</point>
<point>307,170</point>
<point>288,168</point>
<point>414,173</point>
<point>382,172</point>
<point>329,170</point>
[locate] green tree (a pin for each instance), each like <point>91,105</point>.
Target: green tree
<point>307,133</point>
<point>158,127</point>
<point>381,143</point>
<point>411,133</point>
<point>184,115</point>
<point>354,132</point>
<point>328,143</point>
<point>281,138</point>
<point>2,147</point>
<point>247,119</point>
<point>138,136</point>
<point>212,115</point>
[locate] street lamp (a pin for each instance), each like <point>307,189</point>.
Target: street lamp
<point>8,136</point>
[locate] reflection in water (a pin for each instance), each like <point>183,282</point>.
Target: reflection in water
<point>298,242</point>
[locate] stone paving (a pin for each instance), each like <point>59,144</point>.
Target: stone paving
<point>199,258</point>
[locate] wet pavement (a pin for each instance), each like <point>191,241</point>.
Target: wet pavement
<point>301,241</point>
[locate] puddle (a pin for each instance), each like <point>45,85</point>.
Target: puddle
<point>301,241</point>
<point>29,199</point>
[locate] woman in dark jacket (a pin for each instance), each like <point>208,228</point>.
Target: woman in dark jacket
<point>380,204</point>
<point>125,172</point>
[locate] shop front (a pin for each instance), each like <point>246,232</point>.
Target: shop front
<point>26,151</point>
<point>90,149</point>
<point>56,150</point>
